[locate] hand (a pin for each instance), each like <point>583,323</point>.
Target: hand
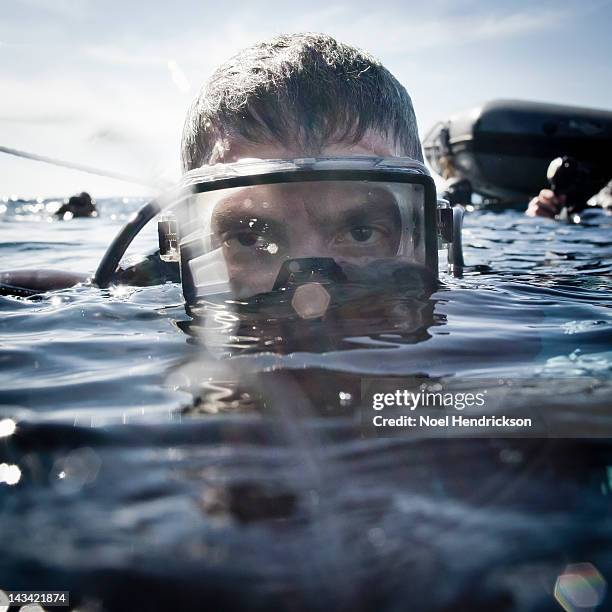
<point>545,204</point>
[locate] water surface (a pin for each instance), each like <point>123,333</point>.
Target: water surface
<point>156,473</point>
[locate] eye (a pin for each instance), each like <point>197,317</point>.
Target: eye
<point>250,241</point>
<point>247,239</point>
<point>362,234</point>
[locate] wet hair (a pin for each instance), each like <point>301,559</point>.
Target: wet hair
<point>303,91</point>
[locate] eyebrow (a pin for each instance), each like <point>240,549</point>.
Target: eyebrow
<point>233,216</point>
<point>366,211</point>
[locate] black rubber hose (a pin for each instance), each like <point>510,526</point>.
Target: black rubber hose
<point>109,262</point>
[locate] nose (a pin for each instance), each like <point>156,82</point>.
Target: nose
<point>309,243</point>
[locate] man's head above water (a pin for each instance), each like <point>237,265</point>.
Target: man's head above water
<point>296,96</point>
<point>299,95</point>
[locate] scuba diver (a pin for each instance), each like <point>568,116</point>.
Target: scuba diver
<point>77,206</point>
<point>303,166</point>
<point>571,191</point>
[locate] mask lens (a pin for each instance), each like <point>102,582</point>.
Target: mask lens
<point>238,239</point>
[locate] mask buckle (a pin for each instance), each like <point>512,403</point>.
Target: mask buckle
<point>167,232</point>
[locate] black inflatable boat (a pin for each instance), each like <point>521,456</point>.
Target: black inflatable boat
<point>503,148</point>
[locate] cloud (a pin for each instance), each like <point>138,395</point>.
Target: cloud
<point>114,54</point>
<point>114,93</point>
<point>39,118</point>
<point>519,24</point>
<point>65,9</point>
<point>388,35</point>
<point>380,31</point>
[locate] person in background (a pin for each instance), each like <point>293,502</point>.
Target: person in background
<point>572,185</point>
<point>547,204</point>
<point>78,206</point>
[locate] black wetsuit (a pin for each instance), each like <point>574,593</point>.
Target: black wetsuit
<point>151,271</point>
<point>25,283</point>
<point>86,210</point>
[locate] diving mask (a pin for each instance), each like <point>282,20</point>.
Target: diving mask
<point>233,228</point>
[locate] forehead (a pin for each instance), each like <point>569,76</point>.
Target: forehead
<point>331,198</point>
<point>372,142</point>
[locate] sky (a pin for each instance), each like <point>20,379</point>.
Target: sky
<point>107,83</point>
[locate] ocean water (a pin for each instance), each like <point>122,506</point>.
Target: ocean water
<point>150,462</point>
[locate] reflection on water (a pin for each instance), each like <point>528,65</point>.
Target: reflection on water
<point>151,461</point>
